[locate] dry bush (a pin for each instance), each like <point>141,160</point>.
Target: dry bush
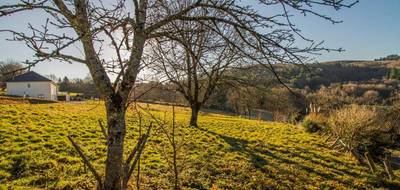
<point>355,125</point>
<point>371,94</point>
<point>389,132</point>
<point>370,97</point>
<point>318,117</point>
<point>366,127</point>
<point>329,98</point>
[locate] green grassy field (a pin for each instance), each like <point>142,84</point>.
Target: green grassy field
<point>225,152</point>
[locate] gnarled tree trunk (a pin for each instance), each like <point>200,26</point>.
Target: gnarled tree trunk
<point>115,144</point>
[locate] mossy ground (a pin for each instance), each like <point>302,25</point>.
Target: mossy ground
<point>227,152</point>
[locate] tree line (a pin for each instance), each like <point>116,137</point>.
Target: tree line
<point>85,86</point>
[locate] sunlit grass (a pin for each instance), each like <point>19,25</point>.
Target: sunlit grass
<point>226,151</point>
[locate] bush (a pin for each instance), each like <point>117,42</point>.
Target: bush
<point>314,122</point>
<point>295,118</point>
<point>354,124</point>
<point>366,127</point>
<point>311,126</point>
<point>389,132</point>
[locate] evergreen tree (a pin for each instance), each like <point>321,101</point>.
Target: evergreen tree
<point>64,85</point>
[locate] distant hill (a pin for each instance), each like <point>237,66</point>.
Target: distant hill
<point>310,76</point>
<point>389,58</point>
<point>326,73</point>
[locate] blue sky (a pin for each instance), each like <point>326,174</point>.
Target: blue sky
<point>369,30</point>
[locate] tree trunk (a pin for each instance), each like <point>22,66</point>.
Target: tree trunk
<point>115,144</point>
<point>195,113</point>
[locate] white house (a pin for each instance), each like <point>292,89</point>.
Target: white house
<point>33,85</point>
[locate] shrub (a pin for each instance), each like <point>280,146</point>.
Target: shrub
<point>314,122</point>
<point>311,126</point>
<point>366,127</point>
<point>295,118</point>
<point>389,132</point>
<point>355,125</point>
<point>370,96</point>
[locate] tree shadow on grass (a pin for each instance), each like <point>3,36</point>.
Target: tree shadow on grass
<point>258,153</point>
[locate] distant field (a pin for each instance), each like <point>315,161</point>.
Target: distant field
<point>226,152</point>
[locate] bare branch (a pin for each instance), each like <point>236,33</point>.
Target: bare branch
<point>103,130</point>
<point>86,161</point>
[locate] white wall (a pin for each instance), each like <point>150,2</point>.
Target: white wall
<point>47,90</point>
<point>53,91</point>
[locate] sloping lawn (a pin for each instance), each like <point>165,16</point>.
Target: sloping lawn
<point>225,152</point>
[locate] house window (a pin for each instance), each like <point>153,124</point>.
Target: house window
<point>29,85</point>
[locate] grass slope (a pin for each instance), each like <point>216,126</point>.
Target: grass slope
<point>225,152</point>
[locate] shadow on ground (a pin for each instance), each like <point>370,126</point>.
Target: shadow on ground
<point>265,156</point>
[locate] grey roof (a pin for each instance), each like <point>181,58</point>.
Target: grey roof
<point>29,76</point>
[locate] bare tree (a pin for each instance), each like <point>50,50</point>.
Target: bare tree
<point>113,36</point>
<point>194,61</point>
<point>9,69</point>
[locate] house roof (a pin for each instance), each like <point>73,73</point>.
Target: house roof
<point>29,76</point>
